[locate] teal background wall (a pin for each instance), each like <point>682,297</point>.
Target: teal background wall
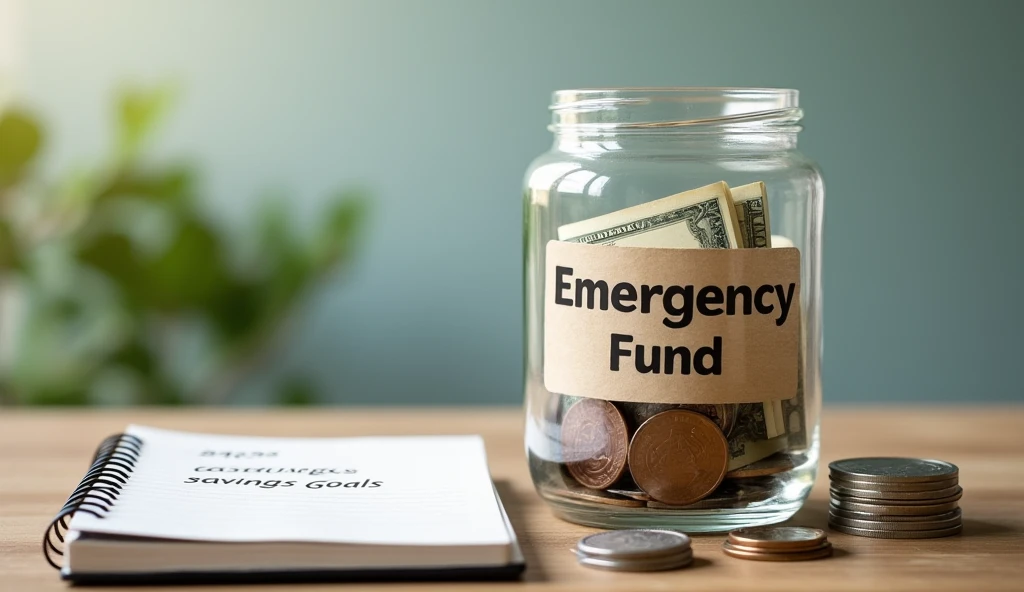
<point>912,109</point>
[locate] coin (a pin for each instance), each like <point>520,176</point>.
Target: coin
<point>776,463</point>
<point>824,550</point>
<point>678,457</point>
<point>729,494</point>
<point>634,544</point>
<point>724,415</point>
<point>896,534</point>
<point>887,525</point>
<point>937,494</point>
<point>578,493</point>
<point>891,502</point>
<point>663,564</point>
<point>595,443</point>
<point>778,538</point>
<point>886,510</point>
<point>631,493</point>
<point>893,487</point>
<point>893,470</point>
<point>836,512</point>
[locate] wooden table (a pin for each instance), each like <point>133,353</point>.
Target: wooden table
<point>43,455</point>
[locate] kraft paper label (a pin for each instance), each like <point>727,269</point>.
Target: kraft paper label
<point>671,325</point>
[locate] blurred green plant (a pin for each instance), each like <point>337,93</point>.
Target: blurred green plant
<point>114,288</point>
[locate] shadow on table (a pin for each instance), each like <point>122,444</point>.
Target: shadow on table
<point>515,506</point>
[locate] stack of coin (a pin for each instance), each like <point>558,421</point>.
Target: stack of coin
<point>635,550</point>
<point>778,543</point>
<point>895,498</point>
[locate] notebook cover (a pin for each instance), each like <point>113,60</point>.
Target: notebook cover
<point>511,571</point>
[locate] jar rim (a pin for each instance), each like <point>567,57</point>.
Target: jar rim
<point>733,109</point>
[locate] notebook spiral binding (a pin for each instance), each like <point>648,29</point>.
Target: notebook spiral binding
<point>97,492</point>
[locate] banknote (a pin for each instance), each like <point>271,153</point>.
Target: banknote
<point>793,410</point>
<point>750,205</point>
<point>749,441</point>
<point>701,218</point>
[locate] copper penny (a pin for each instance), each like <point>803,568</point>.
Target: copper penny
<point>778,538</point>
<point>678,457</point>
<point>595,443</point>
<point>724,415</point>
<point>825,550</point>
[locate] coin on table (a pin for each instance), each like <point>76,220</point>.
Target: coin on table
<point>778,538</point>
<point>662,564</point>
<point>635,550</point>
<point>893,487</point>
<point>936,494</point>
<point>824,550</point>
<point>887,510</point>
<point>776,463</point>
<point>893,470</point>
<point>595,443</point>
<point>934,524</point>
<point>835,512</point>
<point>634,543</point>
<point>958,493</point>
<point>678,457</point>
<point>896,534</point>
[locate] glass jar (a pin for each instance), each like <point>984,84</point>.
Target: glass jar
<point>723,431</point>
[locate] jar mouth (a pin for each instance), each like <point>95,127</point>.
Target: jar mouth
<point>676,110</point>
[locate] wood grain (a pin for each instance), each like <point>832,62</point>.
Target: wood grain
<point>44,453</point>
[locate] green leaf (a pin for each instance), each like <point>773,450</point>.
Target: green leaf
<point>138,113</point>
<point>173,186</point>
<point>296,392</point>
<point>10,257</point>
<point>190,272</point>
<point>236,312</point>
<point>115,256</point>
<point>20,139</point>
<point>335,240</point>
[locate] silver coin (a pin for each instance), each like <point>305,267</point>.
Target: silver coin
<point>631,493</point>
<point>902,526</point>
<point>888,510</point>
<point>957,494</point>
<point>633,544</point>
<point>836,512</point>
<point>937,494</point>
<point>896,534</point>
<point>893,487</point>
<point>660,564</point>
<point>893,470</point>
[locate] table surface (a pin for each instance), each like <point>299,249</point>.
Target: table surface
<point>43,455</point>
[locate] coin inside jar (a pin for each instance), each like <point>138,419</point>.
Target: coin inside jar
<point>678,457</point>
<point>595,443</point>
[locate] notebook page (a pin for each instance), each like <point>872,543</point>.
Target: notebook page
<point>423,490</point>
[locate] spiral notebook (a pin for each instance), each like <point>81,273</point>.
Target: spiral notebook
<point>160,506</point>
